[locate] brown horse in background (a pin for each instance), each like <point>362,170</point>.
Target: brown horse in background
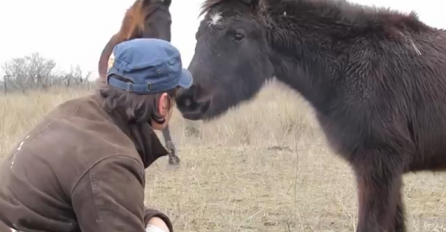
<point>144,19</point>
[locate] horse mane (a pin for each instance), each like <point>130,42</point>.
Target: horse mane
<point>134,20</point>
<point>342,11</point>
<point>349,13</point>
<point>207,5</point>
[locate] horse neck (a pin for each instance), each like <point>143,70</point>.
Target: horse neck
<point>308,77</point>
<point>309,58</point>
<point>306,65</point>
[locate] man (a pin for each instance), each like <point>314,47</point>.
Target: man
<point>81,169</point>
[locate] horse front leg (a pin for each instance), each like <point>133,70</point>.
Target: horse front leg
<point>173,158</point>
<point>379,182</point>
<point>400,225</point>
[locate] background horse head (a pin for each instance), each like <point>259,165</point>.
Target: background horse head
<point>144,19</point>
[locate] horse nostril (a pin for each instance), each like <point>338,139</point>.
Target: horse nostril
<point>188,102</point>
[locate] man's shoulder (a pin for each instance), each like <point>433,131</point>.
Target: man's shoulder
<point>69,141</point>
<point>53,120</point>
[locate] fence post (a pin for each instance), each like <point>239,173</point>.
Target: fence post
<point>5,85</point>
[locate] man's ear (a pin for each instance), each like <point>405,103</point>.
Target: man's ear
<point>163,104</point>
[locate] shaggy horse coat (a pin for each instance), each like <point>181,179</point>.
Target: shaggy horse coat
<point>375,77</point>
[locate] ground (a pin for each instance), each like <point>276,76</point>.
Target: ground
<point>262,167</point>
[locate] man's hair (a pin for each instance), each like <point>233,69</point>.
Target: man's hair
<point>136,107</point>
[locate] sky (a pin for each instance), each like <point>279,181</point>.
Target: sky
<point>73,32</point>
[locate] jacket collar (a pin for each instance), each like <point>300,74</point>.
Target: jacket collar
<point>143,136</point>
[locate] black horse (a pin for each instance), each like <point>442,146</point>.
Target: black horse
<point>144,19</point>
<point>376,78</point>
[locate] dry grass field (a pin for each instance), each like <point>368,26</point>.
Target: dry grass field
<point>262,167</point>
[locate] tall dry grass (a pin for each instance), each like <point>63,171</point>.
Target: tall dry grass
<point>262,167</point>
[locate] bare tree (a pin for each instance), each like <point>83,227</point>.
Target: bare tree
<point>76,77</point>
<point>32,71</point>
<point>37,72</point>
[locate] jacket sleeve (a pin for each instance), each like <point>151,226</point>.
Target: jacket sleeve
<point>150,213</point>
<point>110,197</point>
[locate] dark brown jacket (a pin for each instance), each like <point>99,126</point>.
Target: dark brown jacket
<point>79,169</point>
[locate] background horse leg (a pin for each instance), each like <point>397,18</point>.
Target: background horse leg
<point>173,158</point>
<point>379,181</point>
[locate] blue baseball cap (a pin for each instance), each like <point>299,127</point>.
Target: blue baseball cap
<point>153,65</point>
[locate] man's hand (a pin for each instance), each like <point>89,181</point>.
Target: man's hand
<point>158,222</point>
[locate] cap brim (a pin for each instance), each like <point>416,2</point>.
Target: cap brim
<point>186,79</point>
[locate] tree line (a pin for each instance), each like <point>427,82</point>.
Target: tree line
<point>35,72</point>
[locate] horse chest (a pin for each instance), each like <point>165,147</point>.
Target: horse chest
<point>343,138</point>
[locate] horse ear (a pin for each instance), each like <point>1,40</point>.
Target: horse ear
<point>167,2</point>
<point>253,3</point>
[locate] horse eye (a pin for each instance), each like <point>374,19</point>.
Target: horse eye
<point>239,36</point>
